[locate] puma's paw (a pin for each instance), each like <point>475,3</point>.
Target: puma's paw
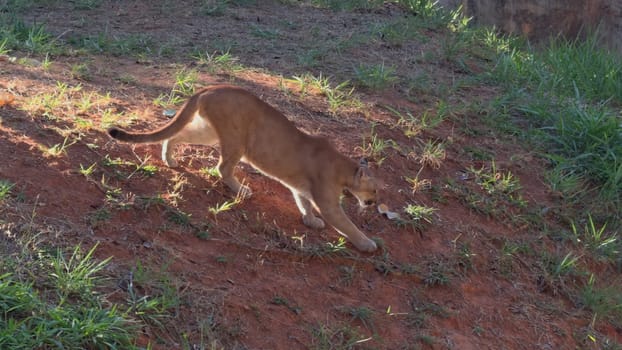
<point>313,222</point>
<point>171,163</point>
<point>366,246</point>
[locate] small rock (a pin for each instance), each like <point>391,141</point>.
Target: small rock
<point>384,209</point>
<point>169,113</point>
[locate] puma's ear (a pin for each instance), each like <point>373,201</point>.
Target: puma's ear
<point>363,163</point>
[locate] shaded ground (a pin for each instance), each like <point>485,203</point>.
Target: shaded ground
<point>254,277</point>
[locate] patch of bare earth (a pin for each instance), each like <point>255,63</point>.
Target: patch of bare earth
<point>254,277</point>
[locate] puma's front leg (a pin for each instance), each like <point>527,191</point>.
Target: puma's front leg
<point>340,221</point>
<point>306,209</point>
<point>334,215</point>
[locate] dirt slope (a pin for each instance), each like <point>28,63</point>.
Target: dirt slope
<point>254,277</point>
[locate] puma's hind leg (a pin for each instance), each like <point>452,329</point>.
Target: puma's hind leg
<point>199,132</point>
<point>168,147</point>
<point>230,155</point>
<point>306,209</point>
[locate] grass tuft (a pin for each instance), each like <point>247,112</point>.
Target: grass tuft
<point>76,275</point>
<point>32,321</point>
<point>5,189</point>
<point>569,92</point>
<point>375,77</point>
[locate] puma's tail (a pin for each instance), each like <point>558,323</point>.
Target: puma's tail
<point>183,117</point>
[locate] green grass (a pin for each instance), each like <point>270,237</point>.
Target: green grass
<point>583,66</point>
<point>339,97</point>
<point>44,312</point>
<point>423,8</point>
<point>417,216</point>
<point>603,243</point>
<point>134,45</point>
<point>262,32</point>
<point>278,300</point>
<point>570,92</point>
<point>58,149</point>
<point>210,172</point>
<point>49,104</point>
<point>86,4</point>
<point>397,32</point>
<point>81,71</point>
<point>213,7</point>
<point>560,274</point>
<point>338,337</point>
<point>422,310</point>
<point>311,58</point>
<point>588,140</point>
<point>185,85</point>
<point>347,5</point>
<point>431,154</point>
<point>77,105</point>
<point>338,247</point>
<point>152,296</point>
<point>76,275</point>
<point>375,147</point>
<point>224,206</point>
<point>127,169</point>
<point>220,7</point>
<point>413,126</point>
<point>375,77</point>
<point>17,35</point>
<point>494,193</point>
<point>98,217</point>
<point>604,302</point>
<point>362,314</point>
<point>437,273</point>
<point>119,200</point>
<point>217,62</point>
<point>507,261</point>
<point>179,217</point>
<point>5,189</point>
<point>497,182</point>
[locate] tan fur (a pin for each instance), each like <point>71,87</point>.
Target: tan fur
<point>251,130</point>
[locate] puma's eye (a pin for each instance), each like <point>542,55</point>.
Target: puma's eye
<point>369,202</point>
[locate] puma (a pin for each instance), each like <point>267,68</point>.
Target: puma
<point>249,129</point>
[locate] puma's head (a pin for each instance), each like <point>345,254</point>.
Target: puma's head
<point>364,186</point>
